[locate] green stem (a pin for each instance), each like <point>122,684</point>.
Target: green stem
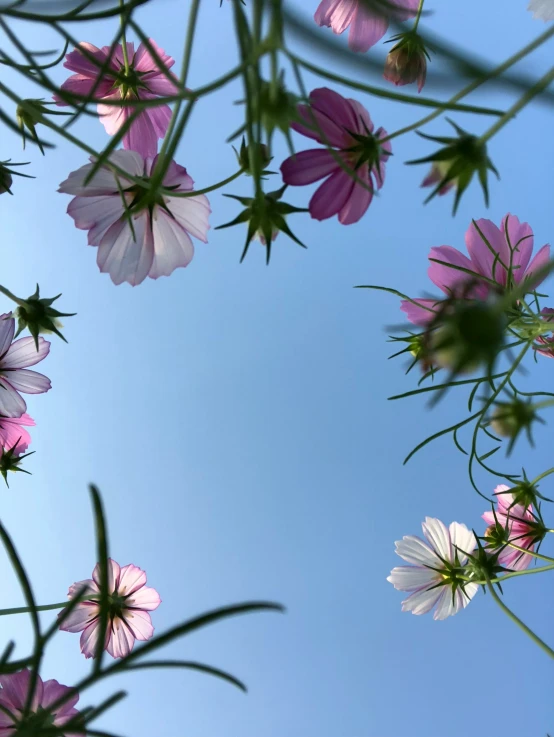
<point>516,620</point>
<point>195,192</point>
<point>123,37</point>
<point>26,609</point>
<point>531,552</point>
<point>496,72</point>
<point>11,295</point>
<point>524,100</point>
<point>418,16</point>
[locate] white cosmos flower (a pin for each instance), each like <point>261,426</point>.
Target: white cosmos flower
<point>542,9</point>
<point>433,579</point>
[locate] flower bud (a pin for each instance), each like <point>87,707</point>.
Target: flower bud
<point>38,316</point>
<point>262,152</point>
<point>6,180</point>
<point>29,113</point>
<point>406,62</point>
<point>10,460</point>
<point>456,163</point>
<point>509,419</point>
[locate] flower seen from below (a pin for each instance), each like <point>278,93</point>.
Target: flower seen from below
<point>13,435</point>
<point>406,62</point>
<point>352,170</point>
<point>130,600</point>
<point>517,524</point>
<point>138,232</point>
<point>435,576</point>
<point>499,259</point>
<point>13,699</point>
<point>143,81</point>
<point>15,377</point>
<point>368,20</point>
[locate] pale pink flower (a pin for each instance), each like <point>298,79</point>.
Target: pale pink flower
<point>13,435</point>
<point>499,259</point>
<point>542,9</point>
<point>13,697</point>
<point>144,81</point>
<point>437,174</point>
<point>138,233</point>
<point>128,620</point>
<point>346,126</point>
<point>433,578</point>
<point>15,377</point>
<point>367,25</point>
<point>522,530</point>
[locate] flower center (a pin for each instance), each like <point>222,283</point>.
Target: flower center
<point>129,82</point>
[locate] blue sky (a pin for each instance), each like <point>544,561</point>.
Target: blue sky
<point>235,418</point>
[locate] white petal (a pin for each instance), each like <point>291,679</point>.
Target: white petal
<point>104,181</point>
<point>412,578</point>
<point>124,256</point>
<point>542,9</point>
<point>439,537</point>
<point>446,605</point>
<point>413,550</point>
<point>421,602</point>
<point>192,213</point>
<point>172,245</point>
<point>463,538</point>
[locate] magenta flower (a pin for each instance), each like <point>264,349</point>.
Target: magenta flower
<point>15,357</point>
<point>345,125</point>
<point>138,232</point>
<point>521,525</point>
<point>144,81</point>
<point>13,697</point>
<point>13,435</point>
<point>436,564</point>
<point>128,620</point>
<point>499,258</point>
<point>367,26</point>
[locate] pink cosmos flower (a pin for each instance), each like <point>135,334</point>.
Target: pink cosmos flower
<point>520,522</point>
<point>15,357</point>
<point>151,239</point>
<point>128,619</point>
<point>346,126</point>
<point>547,342</point>
<point>13,696</point>
<point>499,257</point>
<point>432,579</point>
<point>144,81</point>
<point>13,435</point>
<point>367,26</point>
<point>436,174</point>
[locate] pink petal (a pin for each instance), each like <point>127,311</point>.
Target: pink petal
<point>131,578</point>
<point>83,86</point>
<point>366,29</point>
<point>539,262</point>
<point>112,117</point>
<point>145,598</point>
<point>12,403</point>
<point>520,244</point>
<point>359,200</point>
<point>81,617</point>
<point>121,640</point>
<point>76,61</point>
<point>363,121</point>
<point>114,571</point>
<point>336,14</point>
<point>446,276</point>
<point>333,114</point>
<point>140,624</point>
<point>15,687</point>
<point>331,196</point>
<point>173,247</point>
<point>89,639</point>
<point>142,135</point>
<point>308,166</point>
<point>54,691</point>
<point>23,353</point>
<point>144,61</point>
<point>420,315</point>
<point>483,252</point>
<point>159,117</point>
<point>12,434</point>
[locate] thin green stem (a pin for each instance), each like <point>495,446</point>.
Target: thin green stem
<point>531,552</point>
<point>418,16</point>
<point>472,86</point>
<point>516,620</point>
<point>524,100</point>
<point>196,192</point>
<point>123,21</point>
<point>26,609</point>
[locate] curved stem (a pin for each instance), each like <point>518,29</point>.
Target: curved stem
<point>531,552</point>
<point>195,192</point>
<point>516,620</point>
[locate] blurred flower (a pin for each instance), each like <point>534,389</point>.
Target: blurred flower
<point>139,232</point>
<point>513,522</point>
<point>130,600</point>
<point>542,9</point>
<point>510,419</point>
<point>144,81</point>
<point>12,434</point>
<point>5,180</point>
<point>29,113</point>
<point>345,125</point>
<point>433,579</point>
<point>499,258</point>
<point>406,62</point>
<point>14,375</point>
<point>37,315</point>
<point>13,699</point>
<point>7,174</point>
<point>455,164</point>
<point>368,19</point>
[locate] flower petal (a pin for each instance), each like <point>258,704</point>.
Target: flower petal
<point>412,578</point>
<point>7,329</point>
<point>12,403</point>
<point>307,167</point>
<point>121,640</point>
<point>414,550</point>
<point>145,598</point>
<point>28,382</point>
<point>23,353</point>
<point>359,200</point>
<point>438,536</point>
<point>124,255</point>
<point>114,571</point>
<point>139,623</point>
<point>331,196</point>
<point>421,602</point>
<point>420,315</point>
